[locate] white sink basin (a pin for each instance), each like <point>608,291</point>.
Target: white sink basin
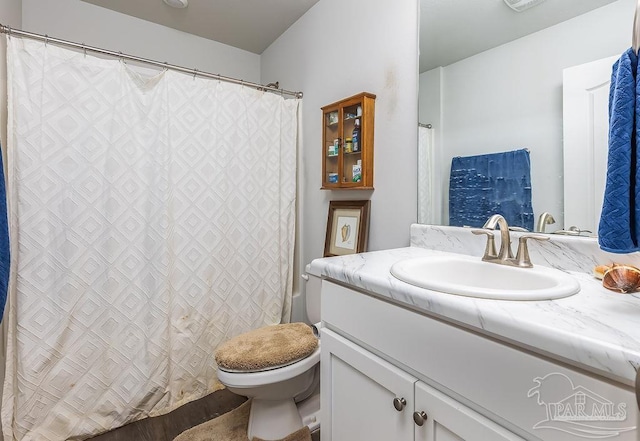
<point>470,276</point>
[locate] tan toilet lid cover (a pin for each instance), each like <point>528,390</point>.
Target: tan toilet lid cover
<point>267,347</point>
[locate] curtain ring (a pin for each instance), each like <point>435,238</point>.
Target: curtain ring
<point>84,49</point>
<point>46,40</point>
<point>195,72</point>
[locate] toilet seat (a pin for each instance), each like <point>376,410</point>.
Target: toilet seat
<point>246,379</point>
<point>268,368</point>
<point>267,348</point>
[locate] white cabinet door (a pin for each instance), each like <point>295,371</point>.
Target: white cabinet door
<point>449,420</point>
<point>358,390</point>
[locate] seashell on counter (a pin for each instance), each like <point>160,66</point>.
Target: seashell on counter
<point>622,278</point>
<point>598,271</point>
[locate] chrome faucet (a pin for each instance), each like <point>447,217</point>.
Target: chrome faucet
<point>573,231</point>
<point>505,256</point>
<point>505,237</point>
<point>544,220</point>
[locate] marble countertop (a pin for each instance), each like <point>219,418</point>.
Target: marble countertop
<point>596,329</point>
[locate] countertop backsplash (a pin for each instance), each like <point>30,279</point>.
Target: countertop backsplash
<point>568,253</point>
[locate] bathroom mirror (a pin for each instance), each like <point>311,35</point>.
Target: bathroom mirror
<point>491,80</point>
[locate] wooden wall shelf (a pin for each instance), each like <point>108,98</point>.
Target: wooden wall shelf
<point>347,154</point>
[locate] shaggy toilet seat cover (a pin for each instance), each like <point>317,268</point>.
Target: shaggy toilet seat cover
<point>267,347</point>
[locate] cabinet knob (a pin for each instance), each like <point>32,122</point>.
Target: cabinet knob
<point>419,417</point>
<point>399,403</point>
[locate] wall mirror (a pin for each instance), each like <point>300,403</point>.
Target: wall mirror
<point>491,80</point>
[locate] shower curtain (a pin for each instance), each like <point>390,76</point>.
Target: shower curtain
<point>151,219</point>
<point>427,208</point>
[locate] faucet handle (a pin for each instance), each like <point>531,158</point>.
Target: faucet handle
<point>490,248</point>
<point>522,256</point>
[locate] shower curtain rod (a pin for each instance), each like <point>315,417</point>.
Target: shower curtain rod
<point>9,31</point>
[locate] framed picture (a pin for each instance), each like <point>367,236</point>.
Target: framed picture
<point>347,228</point>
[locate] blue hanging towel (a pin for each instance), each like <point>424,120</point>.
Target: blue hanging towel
<point>495,183</point>
<point>5,262</point>
<point>619,222</point>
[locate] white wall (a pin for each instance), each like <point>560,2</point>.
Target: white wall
<point>511,96</point>
<point>11,13</point>
<point>95,26</point>
<point>336,50</point>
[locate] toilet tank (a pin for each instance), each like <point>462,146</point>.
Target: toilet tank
<point>312,293</point>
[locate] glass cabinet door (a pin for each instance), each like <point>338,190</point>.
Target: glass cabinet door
<point>333,144</point>
<point>352,151</point>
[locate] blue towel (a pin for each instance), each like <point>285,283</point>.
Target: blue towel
<point>619,222</point>
<point>496,183</point>
<point>5,262</point>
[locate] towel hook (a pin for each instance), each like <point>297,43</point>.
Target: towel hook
<point>635,42</point>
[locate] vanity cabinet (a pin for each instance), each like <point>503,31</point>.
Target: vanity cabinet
<point>370,399</point>
<point>362,395</point>
<point>347,143</point>
<point>377,354</point>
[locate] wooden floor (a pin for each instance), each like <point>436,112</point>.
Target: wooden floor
<point>167,427</point>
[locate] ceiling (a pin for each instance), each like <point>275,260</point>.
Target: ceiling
<point>251,25</point>
<point>451,30</point>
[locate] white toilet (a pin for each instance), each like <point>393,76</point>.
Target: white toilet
<point>284,398</point>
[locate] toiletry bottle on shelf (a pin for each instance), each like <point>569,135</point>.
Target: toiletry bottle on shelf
<point>348,145</point>
<point>355,137</point>
<point>357,171</point>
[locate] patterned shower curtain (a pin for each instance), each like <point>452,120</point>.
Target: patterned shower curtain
<point>428,209</point>
<point>151,219</point>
